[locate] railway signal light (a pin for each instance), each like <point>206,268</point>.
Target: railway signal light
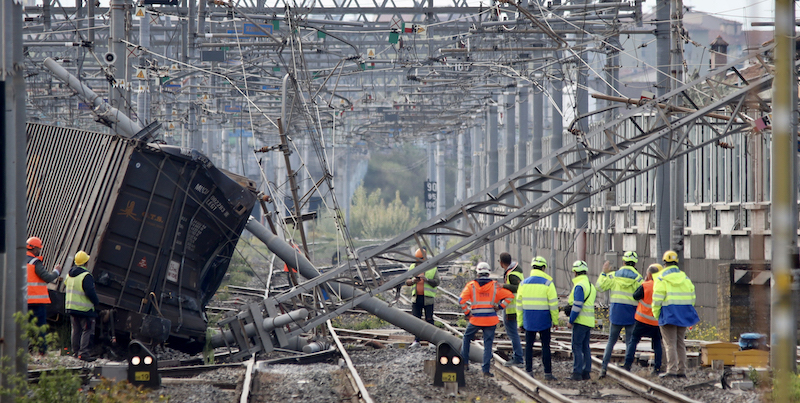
<point>142,366</point>
<point>449,366</point>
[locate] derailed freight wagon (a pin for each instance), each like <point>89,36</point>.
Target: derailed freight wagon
<point>159,222</point>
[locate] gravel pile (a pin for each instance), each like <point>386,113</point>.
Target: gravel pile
<point>696,385</point>
<point>699,386</point>
<point>397,375</point>
<point>323,383</point>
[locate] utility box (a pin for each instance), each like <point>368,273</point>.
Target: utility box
<point>722,351</point>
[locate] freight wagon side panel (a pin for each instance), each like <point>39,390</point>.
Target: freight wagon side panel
<point>160,223</point>
<point>171,235</point>
<point>72,177</point>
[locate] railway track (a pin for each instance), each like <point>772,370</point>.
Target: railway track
<point>560,339</point>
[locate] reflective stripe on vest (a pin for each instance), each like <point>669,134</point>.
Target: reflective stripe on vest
<point>512,307</point>
<point>586,308</point>
<point>429,290</point>
<point>644,312</point>
<point>37,288</point>
<point>483,312</point>
<point>76,298</point>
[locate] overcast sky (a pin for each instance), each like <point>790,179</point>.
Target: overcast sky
<point>744,11</point>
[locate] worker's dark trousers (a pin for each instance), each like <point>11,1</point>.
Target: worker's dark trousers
<point>40,313</point>
<point>530,337</point>
<point>82,334</point>
<point>641,329</point>
<point>418,306</point>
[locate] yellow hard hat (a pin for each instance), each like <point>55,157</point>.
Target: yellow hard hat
<point>670,256</point>
<point>81,258</point>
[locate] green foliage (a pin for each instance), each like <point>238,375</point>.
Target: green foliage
<point>371,217</point>
<point>32,333</point>
<point>112,392</point>
<point>702,331</point>
<point>60,385</point>
<point>474,259</point>
<point>461,322</point>
<point>208,351</point>
<point>400,169</point>
<point>754,376</point>
<point>794,388</point>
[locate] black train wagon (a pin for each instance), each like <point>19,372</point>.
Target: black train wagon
<point>159,222</point>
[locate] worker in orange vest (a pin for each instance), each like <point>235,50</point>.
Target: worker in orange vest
<point>38,276</point>
<point>646,324</point>
<point>480,300</point>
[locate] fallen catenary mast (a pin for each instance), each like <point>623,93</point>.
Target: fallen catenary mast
<point>375,306</point>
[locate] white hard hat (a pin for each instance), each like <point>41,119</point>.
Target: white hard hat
<point>483,269</point>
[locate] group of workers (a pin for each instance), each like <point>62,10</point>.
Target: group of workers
<point>80,301</point>
<point>659,306</point>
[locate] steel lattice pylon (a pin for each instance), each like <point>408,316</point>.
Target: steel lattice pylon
<point>576,171</point>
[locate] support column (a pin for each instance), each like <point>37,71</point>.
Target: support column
<point>441,199</point>
<point>524,107</point>
<point>12,197</point>
<point>663,185</point>
<point>510,138</point>
<point>784,203</point>
<point>556,142</point>
<point>536,145</point>
<point>143,98</point>
<point>461,180</point>
<point>119,95</point>
<point>492,158</point>
<point>476,184</point>
<point>676,166</point>
<point>581,216</point>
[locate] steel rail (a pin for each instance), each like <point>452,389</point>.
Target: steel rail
<point>362,390</point>
<point>527,384</point>
<point>642,386</point>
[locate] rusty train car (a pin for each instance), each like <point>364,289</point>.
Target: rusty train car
<point>160,224</point>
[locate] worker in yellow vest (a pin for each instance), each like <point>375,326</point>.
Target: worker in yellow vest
<point>673,306</point>
<point>581,320</point>
<point>424,292</point>
<point>38,297</point>
<point>621,285</point>
<point>81,300</point>
<point>513,277</point>
<point>646,324</point>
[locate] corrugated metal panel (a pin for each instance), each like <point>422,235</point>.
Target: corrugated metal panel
<point>69,177</point>
<point>159,222</point>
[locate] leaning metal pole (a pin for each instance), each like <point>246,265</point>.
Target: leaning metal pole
<point>784,199</point>
<point>12,199</point>
<point>120,122</point>
<point>416,326</point>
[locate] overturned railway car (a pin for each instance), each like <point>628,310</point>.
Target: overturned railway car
<point>159,222</point>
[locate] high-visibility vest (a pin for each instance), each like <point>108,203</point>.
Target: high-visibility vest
<point>480,301</point>
<point>586,314</point>
<point>423,287</point>
<point>37,288</point>
<point>76,299</point>
<point>517,272</point>
<point>538,302</point>
<point>673,298</point>
<point>644,312</point>
<point>621,285</point>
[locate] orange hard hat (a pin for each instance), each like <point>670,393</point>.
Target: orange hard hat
<point>419,254</point>
<point>34,242</point>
